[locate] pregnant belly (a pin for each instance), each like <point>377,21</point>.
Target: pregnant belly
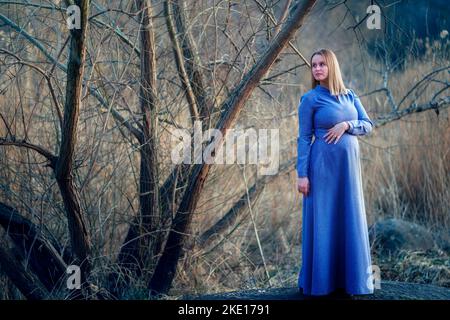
<point>348,143</point>
<point>329,160</point>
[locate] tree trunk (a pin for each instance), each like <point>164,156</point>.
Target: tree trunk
<point>79,236</point>
<point>35,246</point>
<point>241,206</point>
<point>140,251</point>
<point>24,280</point>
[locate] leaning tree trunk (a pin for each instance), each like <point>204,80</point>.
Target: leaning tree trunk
<point>23,279</point>
<point>35,246</point>
<point>240,207</point>
<point>165,270</point>
<point>79,236</point>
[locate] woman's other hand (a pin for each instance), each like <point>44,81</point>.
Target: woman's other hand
<point>303,185</point>
<point>335,133</point>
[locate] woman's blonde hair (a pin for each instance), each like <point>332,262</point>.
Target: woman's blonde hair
<point>335,82</point>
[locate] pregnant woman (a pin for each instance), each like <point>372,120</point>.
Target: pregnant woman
<point>335,243</point>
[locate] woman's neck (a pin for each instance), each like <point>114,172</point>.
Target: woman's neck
<point>324,84</point>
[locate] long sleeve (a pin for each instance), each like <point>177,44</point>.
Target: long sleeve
<point>363,125</point>
<point>305,120</point>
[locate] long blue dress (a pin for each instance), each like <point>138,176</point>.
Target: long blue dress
<point>335,242</point>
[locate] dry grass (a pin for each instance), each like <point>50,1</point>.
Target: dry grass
<point>428,267</point>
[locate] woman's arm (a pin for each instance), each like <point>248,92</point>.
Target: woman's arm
<point>305,121</point>
<point>363,125</point>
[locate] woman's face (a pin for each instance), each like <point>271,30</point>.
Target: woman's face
<point>319,68</point>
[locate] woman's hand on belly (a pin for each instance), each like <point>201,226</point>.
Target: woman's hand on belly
<point>335,133</point>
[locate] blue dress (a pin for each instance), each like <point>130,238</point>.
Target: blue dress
<point>335,241</point>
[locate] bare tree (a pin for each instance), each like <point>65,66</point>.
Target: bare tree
<point>79,235</point>
<point>64,162</point>
<point>141,244</point>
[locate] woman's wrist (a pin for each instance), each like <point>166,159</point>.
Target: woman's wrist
<point>347,125</point>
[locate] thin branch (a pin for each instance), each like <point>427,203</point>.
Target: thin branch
<point>94,19</point>
<point>414,108</point>
<point>41,150</point>
<point>283,17</point>
<point>179,60</point>
<point>191,61</point>
<point>273,20</point>
<point>47,78</point>
<point>92,90</point>
<point>427,77</point>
